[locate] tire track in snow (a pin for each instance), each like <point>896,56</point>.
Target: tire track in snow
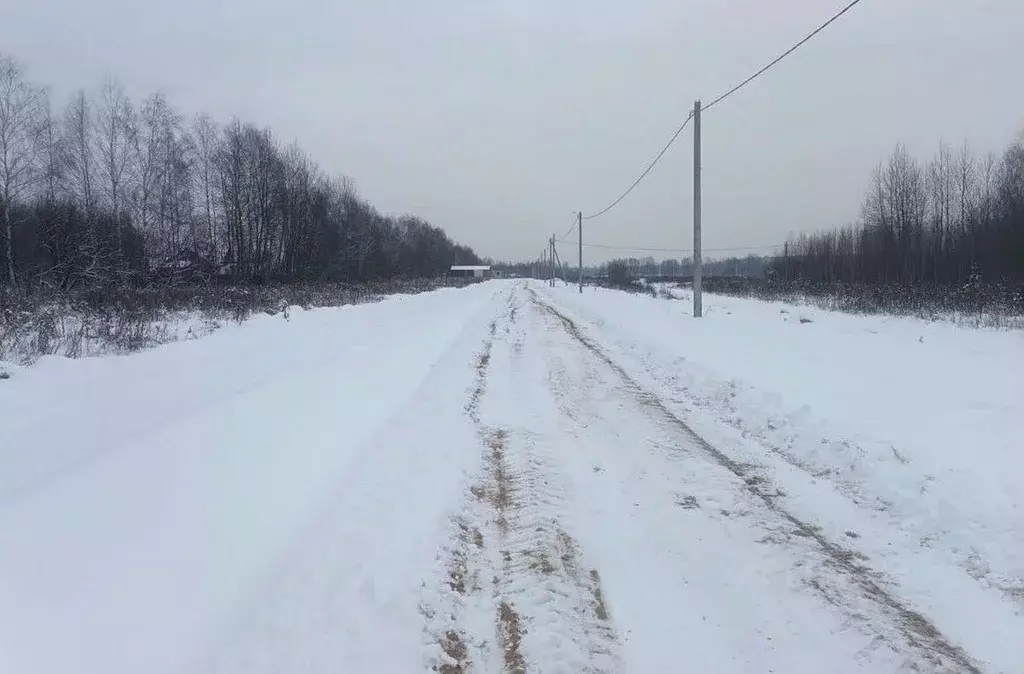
<point>544,577</point>
<point>971,561</point>
<point>455,642</point>
<point>543,569</point>
<point>914,628</point>
<point>510,555</point>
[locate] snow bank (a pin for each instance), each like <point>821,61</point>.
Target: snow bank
<point>920,423</point>
<point>144,499</point>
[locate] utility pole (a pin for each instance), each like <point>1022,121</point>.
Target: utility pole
<point>698,309</point>
<point>551,257</point>
<point>560,266</point>
<point>579,226</point>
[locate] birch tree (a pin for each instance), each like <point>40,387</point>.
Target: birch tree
<point>114,136</point>
<point>147,162</point>
<point>206,136</point>
<point>20,105</point>
<point>79,163</point>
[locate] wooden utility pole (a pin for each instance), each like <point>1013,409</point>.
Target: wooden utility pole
<point>698,309</point>
<point>579,226</point>
<point>560,266</point>
<point>551,256</point>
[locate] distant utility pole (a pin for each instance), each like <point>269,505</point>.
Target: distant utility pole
<point>579,226</point>
<point>698,309</point>
<point>551,256</point>
<point>560,266</point>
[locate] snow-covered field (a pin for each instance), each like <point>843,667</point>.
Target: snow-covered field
<point>515,478</point>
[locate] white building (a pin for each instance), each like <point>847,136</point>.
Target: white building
<point>470,270</point>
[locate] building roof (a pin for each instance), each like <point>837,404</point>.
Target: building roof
<point>470,267</point>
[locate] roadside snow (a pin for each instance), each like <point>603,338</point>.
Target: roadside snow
<point>905,432</point>
<point>149,502</point>
<point>60,332</point>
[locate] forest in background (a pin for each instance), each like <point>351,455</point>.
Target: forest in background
<point>106,193</point>
<point>953,219</point>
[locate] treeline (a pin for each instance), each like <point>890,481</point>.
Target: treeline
<point>947,221</point>
<point>750,266</point>
<point>106,192</point>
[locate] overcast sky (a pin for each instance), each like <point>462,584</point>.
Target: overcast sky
<point>498,119</point>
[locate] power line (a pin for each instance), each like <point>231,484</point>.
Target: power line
<point>571,230</point>
<point>673,139</point>
<point>681,250</point>
<point>716,101</point>
<point>786,53</point>
<point>644,174</point>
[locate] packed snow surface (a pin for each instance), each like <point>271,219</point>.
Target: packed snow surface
<point>516,478</point>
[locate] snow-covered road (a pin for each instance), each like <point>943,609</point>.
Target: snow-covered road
<point>482,480</point>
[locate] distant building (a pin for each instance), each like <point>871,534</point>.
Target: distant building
<point>470,271</point>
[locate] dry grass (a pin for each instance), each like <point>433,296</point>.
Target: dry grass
<point>600,608</point>
<point>539,561</point>
<point>567,553</point>
<point>993,305</point>
<point>688,502</point>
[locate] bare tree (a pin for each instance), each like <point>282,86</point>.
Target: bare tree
<point>206,138</point>
<point>147,161</point>
<point>173,225</point>
<point>966,173</point>
<point>941,182</point>
<point>78,157</point>
<point>114,137</point>
<point>49,156</point>
<point>20,106</point>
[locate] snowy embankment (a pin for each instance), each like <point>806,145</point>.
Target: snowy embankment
<point>151,505</point>
<point>902,436</point>
<point>125,320</point>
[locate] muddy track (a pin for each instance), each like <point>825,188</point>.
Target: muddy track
<point>511,556</point>
<point>465,560</point>
<point>916,629</point>
<point>542,560</point>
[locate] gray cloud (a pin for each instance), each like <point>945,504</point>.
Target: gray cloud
<point>497,120</point>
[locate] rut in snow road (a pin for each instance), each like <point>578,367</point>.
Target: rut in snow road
<point>850,570</point>
<point>518,596</point>
<point>602,534</point>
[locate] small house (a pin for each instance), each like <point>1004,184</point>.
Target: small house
<point>470,271</point>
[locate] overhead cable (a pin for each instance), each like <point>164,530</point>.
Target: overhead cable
<point>781,56</point>
<point>681,250</point>
<point>643,175</point>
